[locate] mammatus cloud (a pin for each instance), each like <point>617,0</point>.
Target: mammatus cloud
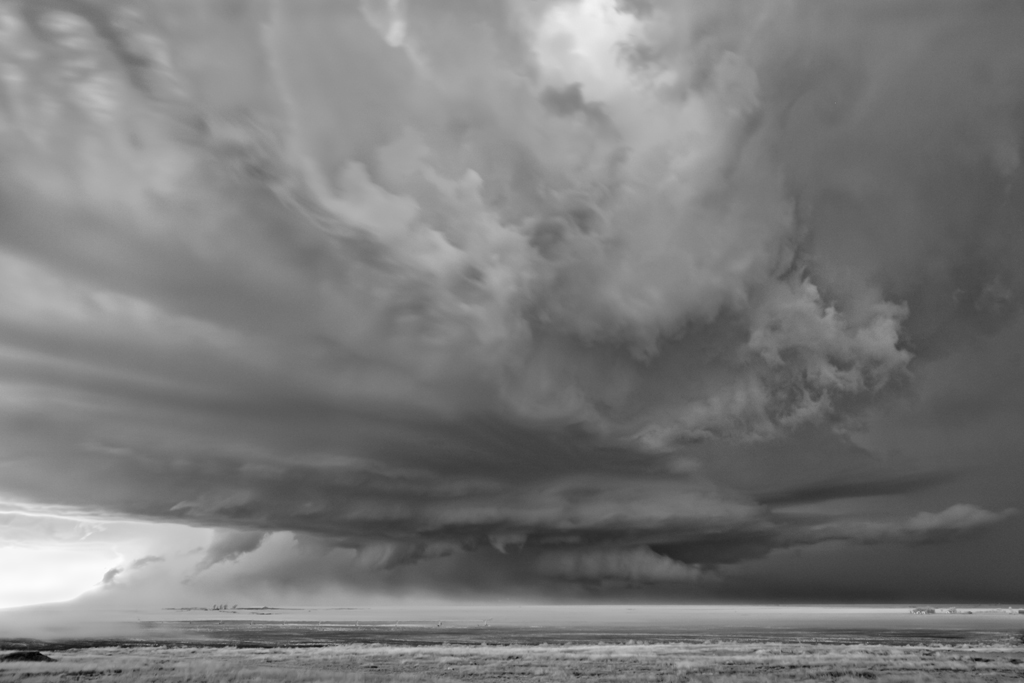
<point>435,280</point>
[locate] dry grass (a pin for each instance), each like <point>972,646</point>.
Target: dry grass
<point>718,662</point>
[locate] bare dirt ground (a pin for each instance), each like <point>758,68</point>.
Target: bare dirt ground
<point>635,663</point>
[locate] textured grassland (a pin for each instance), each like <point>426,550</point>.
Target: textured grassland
<point>718,662</point>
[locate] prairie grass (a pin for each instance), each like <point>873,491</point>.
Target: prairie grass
<point>710,662</point>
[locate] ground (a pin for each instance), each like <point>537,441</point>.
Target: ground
<point>486,644</point>
<point>707,661</point>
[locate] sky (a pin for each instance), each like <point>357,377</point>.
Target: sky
<point>357,301</point>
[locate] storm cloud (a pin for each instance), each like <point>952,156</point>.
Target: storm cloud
<point>453,296</point>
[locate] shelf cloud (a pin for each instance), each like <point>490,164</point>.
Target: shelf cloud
<point>536,295</point>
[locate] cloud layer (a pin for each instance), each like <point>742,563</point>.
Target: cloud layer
<point>530,289</point>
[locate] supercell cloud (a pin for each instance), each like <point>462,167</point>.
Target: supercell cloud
<point>515,297</point>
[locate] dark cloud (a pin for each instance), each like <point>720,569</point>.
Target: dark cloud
<point>851,487</point>
<point>924,527</point>
<point>227,546</point>
<point>143,561</point>
<point>539,296</point>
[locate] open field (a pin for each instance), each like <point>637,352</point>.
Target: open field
<point>711,661</point>
<point>521,643</point>
<point>507,624</point>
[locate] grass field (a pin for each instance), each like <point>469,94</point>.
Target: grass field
<point>485,644</point>
<point>633,663</point>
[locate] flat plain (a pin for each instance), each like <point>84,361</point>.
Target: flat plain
<point>491,644</point>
